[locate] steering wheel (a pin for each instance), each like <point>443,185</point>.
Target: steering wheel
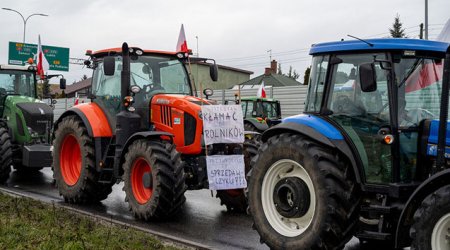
<point>149,88</point>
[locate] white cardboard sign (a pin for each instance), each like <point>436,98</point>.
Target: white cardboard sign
<point>226,172</point>
<point>222,124</point>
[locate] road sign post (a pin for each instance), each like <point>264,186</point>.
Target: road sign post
<point>57,57</point>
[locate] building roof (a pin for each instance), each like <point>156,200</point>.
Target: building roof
<point>379,44</point>
<point>78,86</point>
<point>224,67</point>
<point>274,80</point>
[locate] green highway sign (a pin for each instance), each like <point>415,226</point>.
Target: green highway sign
<point>57,57</point>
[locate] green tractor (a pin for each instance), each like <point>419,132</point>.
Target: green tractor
<point>370,156</point>
<point>259,113</point>
<point>25,122</point>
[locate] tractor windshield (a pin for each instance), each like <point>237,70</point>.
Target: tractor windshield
<point>17,82</point>
<point>154,74</point>
<point>270,109</point>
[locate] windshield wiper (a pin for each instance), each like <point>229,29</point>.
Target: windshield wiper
<point>413,68</point>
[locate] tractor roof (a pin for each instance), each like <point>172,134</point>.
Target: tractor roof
<point>105,52</point>
<point>18,67</point>
<point>254,98</point>
<point>379,44</point>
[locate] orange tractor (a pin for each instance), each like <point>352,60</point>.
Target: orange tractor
<point>144,127</point>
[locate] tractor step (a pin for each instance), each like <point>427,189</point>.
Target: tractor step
<point>377,209</point>
<point>106,175</point>
<point>368,235</point>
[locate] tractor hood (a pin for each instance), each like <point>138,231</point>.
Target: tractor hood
<point>28,112</point>
<point>176,100</point>
<point>180,115</point>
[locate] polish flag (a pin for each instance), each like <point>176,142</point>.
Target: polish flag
<point>42,63</point>
<point>182,43</point>
<point>261,91</point>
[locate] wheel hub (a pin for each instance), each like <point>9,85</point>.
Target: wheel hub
<point>147,180</point>
<point>291,197</point>
<point>440,237</point>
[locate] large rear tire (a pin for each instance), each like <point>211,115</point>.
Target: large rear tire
<point>431,228</point>
<point>302,195</point>
<point>5,155</point>
<point>236,199</point>
<point>74,164</point>
<point>154,179</point>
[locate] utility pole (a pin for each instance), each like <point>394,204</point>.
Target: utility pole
<point>421,31</point>
<point>196,37</point>
<point>426,19</point>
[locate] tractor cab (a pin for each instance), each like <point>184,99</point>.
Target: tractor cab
<point>16,80</point>
<point>383,101</point>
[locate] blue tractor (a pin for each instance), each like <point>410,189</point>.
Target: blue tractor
<point>368,158</point>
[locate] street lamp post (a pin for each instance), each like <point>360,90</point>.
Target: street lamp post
<point>25,19</point>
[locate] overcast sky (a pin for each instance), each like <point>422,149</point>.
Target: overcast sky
<point>235,33</point>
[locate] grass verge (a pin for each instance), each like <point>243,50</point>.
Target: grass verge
<point>30,224</point>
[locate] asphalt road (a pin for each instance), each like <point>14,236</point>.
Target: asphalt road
<point>203,221</point>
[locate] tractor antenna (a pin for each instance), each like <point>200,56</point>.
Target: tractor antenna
<point>364,41</point>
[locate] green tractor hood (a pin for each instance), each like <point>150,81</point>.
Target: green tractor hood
<point>27,118</point>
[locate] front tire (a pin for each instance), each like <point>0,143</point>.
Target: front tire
<point>302,195</point>
<point>431,228</point>
<point>5,155</point>
<point>74,164</point>
<point>154,179</point>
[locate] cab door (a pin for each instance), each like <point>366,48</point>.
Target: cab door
<point>362,116</point>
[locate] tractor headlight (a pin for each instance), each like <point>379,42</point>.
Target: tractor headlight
<point>135,89</point>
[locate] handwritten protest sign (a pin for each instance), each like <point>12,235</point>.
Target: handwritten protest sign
<point>222,124</point>
<point>226,172</point>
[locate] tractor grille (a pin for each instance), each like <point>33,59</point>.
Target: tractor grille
<point>166,115</point>
<point>38,116</point>
<point>189,129</point>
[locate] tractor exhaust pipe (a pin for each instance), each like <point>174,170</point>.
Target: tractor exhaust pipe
<point>440,161</point>
<point>125,75</point>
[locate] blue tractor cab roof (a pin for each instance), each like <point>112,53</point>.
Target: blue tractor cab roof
<point>379,44</point>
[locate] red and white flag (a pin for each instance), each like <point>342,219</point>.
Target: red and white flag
<point>42,63</point>
<point>261,91</point>
<point>182,43</point>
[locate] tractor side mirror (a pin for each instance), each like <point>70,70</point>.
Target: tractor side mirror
<point>109,65</point>
<point>368,77</point>
<point>208,92</point>
<point>62,83</point>
<point>214,72</point>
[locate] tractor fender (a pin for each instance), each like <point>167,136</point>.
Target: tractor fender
<point>93,118</point>
<point>259,126</point>
<point>405,221</point>
<point>298,129</point>
<point>320,131</point>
